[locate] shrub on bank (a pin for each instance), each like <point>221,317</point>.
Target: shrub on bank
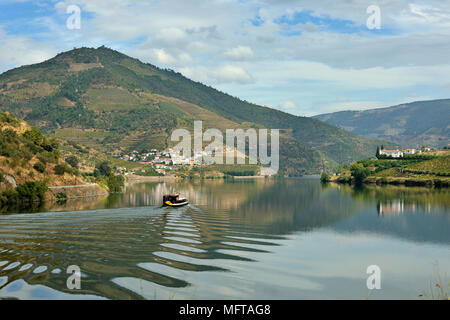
<point>39,167</point>
<point>28,192</point>
<point>324,177</point>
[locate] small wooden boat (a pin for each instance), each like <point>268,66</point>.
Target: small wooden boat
<point>174,200</point>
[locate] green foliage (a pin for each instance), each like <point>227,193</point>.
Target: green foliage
<point>20,149</point>
<point>60,169</point>
<point>104,168</point>
<point>305,143</point>
<point>28,192</point>
<point>359,172</point>
<point>9,119</point>
<point>407,157</point>
<point>148,172</point>
<point>2,177</point>
<point>34,135</point>
<point>115,183</point>
<point>324,177</point>
<point>61,196</point>
<point>32,190</point>
<point>73,161</point>
<point>40,167</point>
<point>240,173</point>
<point>77,146</point>
<point>48,157</point>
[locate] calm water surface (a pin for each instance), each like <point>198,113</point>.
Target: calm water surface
<point>244,239</point>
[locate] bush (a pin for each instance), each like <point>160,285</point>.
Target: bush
<point>39,167</point>
<point>31,191</point>
<point>115,183</point>
<point>48,157</point>
<point>60,169</point>
<point>359,172</point>
<point>35,135</point>
<point>73,161</point>
<point>104,168</point>
<point>325,177</point>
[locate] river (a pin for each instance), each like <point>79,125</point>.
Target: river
<point>241,239</point>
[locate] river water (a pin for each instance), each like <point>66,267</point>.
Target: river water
<point>241,239</point>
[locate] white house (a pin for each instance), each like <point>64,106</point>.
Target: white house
<point>410,151</point>
<point>392,153</point>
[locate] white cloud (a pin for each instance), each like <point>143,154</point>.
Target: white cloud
<point>239,53</point>
<point>221,75</point>
<point>287,106</point>
<point>21,50</point>
<point>162,57</point>
<point>231,73</point>
<point>215,42</point>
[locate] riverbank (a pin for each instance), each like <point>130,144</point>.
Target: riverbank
<point>135,178</point>
<point>430,173</point>
<point>75,192</point>
<point>428,181</point>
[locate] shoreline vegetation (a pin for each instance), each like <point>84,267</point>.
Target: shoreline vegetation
<point>33,171</point>
<point>429,170</point>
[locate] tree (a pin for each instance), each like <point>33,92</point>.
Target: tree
<point>39,166</point>
<point>35,135</point>
<point>377,154</point>
<point>104,168</point>
<point>73,161</point>
<point>59,169</point>
<point>359,172</point>
<point>32,190</point>
<point>325,177</point>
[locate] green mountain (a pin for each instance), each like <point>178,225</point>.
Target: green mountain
<point>411,124</point>
<point>111,102</point>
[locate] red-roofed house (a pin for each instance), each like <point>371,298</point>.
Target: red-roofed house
<point>392,153</point>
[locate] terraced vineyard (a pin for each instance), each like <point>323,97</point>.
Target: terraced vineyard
<point>110,102</point>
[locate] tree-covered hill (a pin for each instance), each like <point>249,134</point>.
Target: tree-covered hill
<point>412,124</point>
<point>111,102</point>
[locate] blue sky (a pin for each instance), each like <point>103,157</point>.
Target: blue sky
<point>305,57</point>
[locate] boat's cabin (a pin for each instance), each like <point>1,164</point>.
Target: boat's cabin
<point>173,197</point>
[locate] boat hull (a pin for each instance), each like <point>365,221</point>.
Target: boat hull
<point>176,204</point>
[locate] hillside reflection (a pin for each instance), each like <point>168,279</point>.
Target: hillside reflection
<point>127,244</point>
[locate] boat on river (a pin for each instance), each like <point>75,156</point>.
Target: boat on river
<point>174,200</point>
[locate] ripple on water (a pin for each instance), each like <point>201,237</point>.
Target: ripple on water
<point>183,240</point>
<point>12,266</point>
<point>3,280</point>
<point>56,271</point>
<point>40,269</point>
<point>2,263</point>
<point>25,267</point>
<point>182,248</point>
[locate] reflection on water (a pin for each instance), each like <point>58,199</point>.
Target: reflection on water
<point>253,239</point>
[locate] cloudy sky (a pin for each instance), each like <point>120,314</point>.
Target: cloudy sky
<point>305,57</point>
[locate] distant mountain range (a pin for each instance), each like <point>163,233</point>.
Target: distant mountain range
<point>106,100</point>
<point>411,124</point>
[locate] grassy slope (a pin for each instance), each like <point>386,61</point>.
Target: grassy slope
<point>427,170</point>
<point>19,155</point>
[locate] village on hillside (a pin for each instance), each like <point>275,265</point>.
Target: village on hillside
<point>164,161</point>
